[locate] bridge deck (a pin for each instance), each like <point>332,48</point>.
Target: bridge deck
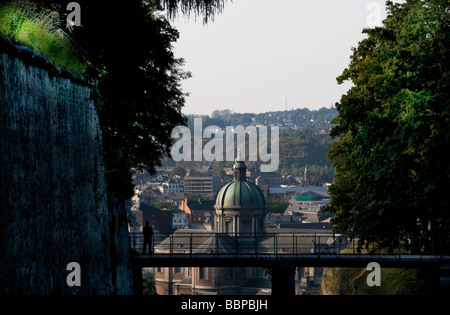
<point>305,260</point>
<point>189,249</point>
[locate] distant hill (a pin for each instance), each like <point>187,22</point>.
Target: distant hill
<point>304,139</point>
<point>300,118</point>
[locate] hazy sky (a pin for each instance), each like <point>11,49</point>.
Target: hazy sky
<point>257,53</point>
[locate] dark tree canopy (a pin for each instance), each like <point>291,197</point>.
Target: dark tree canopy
<point>136,77</point>
<point>139,99</point>
<point>393,126</point>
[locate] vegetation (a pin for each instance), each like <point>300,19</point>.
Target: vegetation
<point>205,8</point>
<point>137,86</point>
<point>149,287</point>
<point>302,118</point>
<point>299,148</point>
<point>276,205</point>
<point>393,281</point>
<point>393,126</point>
<point>116,58</point>
<point>137,90</point>
<point>127,55</point>
<point>193,197</point>
<point>163,205</point>
<point>40,29</point>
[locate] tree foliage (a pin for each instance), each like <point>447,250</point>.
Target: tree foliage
<point>393,125</point>
<point>137,83</point>
<point>276,206</point>
<point>127,50</point>
<point>205,8</point>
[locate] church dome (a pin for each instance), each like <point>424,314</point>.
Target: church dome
<point>240,194</point>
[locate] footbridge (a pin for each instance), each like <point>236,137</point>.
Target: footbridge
<point>284,252</point>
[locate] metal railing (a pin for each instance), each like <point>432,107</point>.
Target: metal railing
<point>183,242</point>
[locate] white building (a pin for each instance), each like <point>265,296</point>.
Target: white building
<point>180,219</point>
<point>170,187</point>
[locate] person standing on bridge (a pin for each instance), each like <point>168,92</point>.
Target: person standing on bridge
<point>148,234</point>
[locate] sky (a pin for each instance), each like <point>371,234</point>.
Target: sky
<point>260,55</point>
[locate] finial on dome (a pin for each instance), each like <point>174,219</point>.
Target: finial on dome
<point>240,170</point>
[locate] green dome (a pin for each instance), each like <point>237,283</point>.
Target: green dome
<point>240,194</point>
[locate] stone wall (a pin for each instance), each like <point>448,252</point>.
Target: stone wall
<point>53,201</point>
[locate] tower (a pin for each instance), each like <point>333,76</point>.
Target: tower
<point>306,176</point>
<point>240,205</point>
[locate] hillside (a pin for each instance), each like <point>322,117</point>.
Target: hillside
<point>304,139</point>
<point>393,281</point>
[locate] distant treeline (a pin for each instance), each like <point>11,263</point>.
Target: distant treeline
<point>301,118</point>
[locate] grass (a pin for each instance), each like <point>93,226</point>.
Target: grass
<point>394,281</point>
<point>29,24</point>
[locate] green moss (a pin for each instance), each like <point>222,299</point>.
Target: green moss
<point>38,28</point>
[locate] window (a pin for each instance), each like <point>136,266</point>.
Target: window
<point>202,273</point>
<point>228,227</point>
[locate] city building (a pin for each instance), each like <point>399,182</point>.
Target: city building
<point>139,212</point>
<point>199,211</point>
<point>160,220</point>
<point>170,187</point>
<point>289,191</point>
<point>271,179</point>
<point>306,179</point>
<point>180,219</point>
<point>204,184</point>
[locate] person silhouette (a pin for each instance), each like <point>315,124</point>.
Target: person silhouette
<point>148,234</point>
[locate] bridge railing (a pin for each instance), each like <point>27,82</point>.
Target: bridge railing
<point>183,242</point>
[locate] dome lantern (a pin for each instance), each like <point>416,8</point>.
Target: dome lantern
<point>240,171</point>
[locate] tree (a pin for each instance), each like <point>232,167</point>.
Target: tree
<point>163,205</point>
<point>193,197</point>
<point>136,79</point>
<point>205,8</point>
<point>137,84</point>
<point>393,126</point>
<point>277,206</point>
<point>178,171</point>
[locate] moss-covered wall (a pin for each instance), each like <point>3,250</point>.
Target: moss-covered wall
<point>53,201</point>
